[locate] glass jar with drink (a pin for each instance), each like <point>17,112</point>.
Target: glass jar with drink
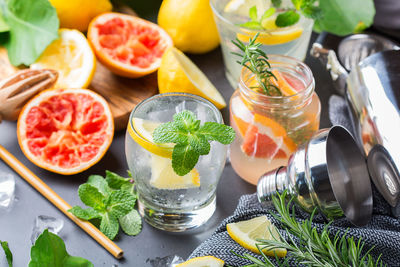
<point>273,111</point>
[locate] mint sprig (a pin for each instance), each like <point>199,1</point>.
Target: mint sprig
<point>112,201</point>
<point>255,23</point>
<point>7,251</point>
<point>191,139</point>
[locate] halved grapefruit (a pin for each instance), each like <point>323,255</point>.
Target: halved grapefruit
<point>65,131</point>
<point>127,45</point>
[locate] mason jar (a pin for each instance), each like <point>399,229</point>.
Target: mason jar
<point>270,128</point>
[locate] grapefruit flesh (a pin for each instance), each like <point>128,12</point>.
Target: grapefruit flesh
<point>127,45</point>
<point>65,130</point>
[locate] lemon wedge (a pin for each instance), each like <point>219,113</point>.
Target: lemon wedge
<point>241,7</point>
<point>246,232</point>
<point>164,177</point>
<point>178,73</point>
<point>143,135</point>
<point>274,37</point>
<point>205,261</point>
<point>73,58</point>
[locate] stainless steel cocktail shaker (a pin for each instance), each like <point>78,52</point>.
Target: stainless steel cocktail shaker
<point>328,172</point>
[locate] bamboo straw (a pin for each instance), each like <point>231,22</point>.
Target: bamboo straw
<point>60,203</point>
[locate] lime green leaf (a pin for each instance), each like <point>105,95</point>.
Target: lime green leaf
<point>8,253</point>
<point>33,26</point>
<point>253,13</point>
<point>85,214</point>
<point>91,196</point>
<point>119,203</point>
<point>170,132</point>
<point>131,223</point>
<point>342,17</point>
<point>130,188</point>
<point>3,25</point>
<point>217,132</point>
<point>287,18</point>
<point>109,225</point>
<point>297,3</point>
<point>116,181</point>
<point>254,25</point>
<point>199,143</point>
<point>100,183</point>
<point>268,13</point>
<point>184,158</point>
<point>49,251</point>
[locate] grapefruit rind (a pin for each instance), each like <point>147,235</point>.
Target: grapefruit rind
<point>114,65</point>
<point>45,95</point>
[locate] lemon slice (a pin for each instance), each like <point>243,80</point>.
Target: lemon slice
<point>164,177</point>
<point>178,73</point>
<point>143,135</point>
<point>72,56</point>
<point>241,7</point>
<point>205,261</point>
<point>275,37</point>
<point>246,232</point>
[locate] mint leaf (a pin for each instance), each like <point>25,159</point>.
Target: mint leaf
<point>3,25</point>
<point>186,120</point>
<point>287,18</point>
<point>253,13</point>
<point>184,158</point>
<point>130,188</point>
<point>100,183</point>
<point>109,225</point>
<point>131,223</point>
<point>85,214</point>
<point>276,3</point>
<point>8,253</point>
<point>312,12</point>
<point>119,203</point>
<point>254,25</point>
<point>49,251</point>
<point>199,143</point>
<point>342,17</point>
<point>115,181</point>
<point>170,132</point>
<point>217,132</point>
<point>33,26</point>
<point>298,3</point>
<point>268,13</point>
<point>91,196</point>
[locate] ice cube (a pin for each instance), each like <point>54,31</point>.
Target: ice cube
<point>7,188</point>
<point>168,261</point>
<point>43,222</point>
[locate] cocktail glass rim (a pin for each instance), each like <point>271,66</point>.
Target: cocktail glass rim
<point>215,110</point>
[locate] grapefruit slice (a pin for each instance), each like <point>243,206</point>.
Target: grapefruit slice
<point>128,46</point>
<point>65,131</point>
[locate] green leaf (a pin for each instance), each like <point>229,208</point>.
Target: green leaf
<point>312,12</point>
<point>170,132</point>
<point>298,3</point>
<point>287,18</point>
<point>100,183</point>
<point>8,253</point>
<point>119,203</point>
<point>91,196</point>
<point>199,143</point>
<point>85,214</point>
<point>130,188</point>
<point>276,3</point>
<point>342,17</point>
<point>268,13</point>
<point>33,26</point>
<point>131,223</point>
<point>186,120</point>
<point>109,225</point>
<point>3,25</point>
<point>184,158</point>
<point>115,181</point>
<point>49,251</point>
<point>254,25</point>
<point>217,132</point>
<point>253,13</point>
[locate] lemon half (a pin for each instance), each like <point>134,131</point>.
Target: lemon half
<point>205,261</point>
<point>246,232</point>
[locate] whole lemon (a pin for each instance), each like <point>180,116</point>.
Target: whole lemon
<point>190,24</point>
<point>76,14</point>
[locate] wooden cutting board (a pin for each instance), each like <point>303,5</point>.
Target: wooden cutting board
<point>122,94</point>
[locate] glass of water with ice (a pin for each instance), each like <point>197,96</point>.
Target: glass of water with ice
<point>166,200</point>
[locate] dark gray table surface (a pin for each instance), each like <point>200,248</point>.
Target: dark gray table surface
<point>16,225</point>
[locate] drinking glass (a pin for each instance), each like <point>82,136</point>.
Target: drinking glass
<point>168,201</point>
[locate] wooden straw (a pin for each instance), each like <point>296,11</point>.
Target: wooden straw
<point>60,203</point>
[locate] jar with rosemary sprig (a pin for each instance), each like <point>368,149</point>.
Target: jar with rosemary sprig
<point>273,111</point>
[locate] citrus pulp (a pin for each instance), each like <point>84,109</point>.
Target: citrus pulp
<point>65,131</point>
<point>127,45</point>
<point>205,261</point>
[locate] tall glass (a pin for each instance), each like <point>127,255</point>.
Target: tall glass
<point>290,41</point>
<point>270,128</point>
<point>168,201</point>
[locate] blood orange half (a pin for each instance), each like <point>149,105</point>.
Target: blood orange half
<point>127,45</point>
<point>65,131</point>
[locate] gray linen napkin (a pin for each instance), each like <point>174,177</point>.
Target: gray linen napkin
<point>382,232</point>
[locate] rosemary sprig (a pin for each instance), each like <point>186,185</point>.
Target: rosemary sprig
<point>312,248</point>
<point>257,62</point>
